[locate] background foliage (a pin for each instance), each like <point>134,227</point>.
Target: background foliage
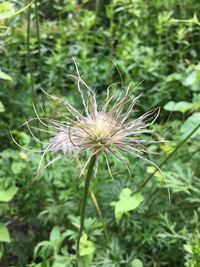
<point>122,41</point>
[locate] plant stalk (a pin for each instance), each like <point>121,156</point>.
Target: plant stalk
<point>84,201</point>
<point>39,50</point>
<point>29,56</point>
<point>96,204</point>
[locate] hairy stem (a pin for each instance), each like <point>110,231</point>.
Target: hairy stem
<point>84,200</point>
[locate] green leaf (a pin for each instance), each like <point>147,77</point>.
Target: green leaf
<point>55,234</point>
<point>127,202</point>
<point>136,263</point>
<point>6,10</point>
<point>181,106</point>
<point>4,234</point>
<point>7,194</point>
<point>43,249</point>
<point>24,137</point>
<point>158,175</point>
<point>17,167</point>
<point>190,124</point>
<point>86,246</point>
<point>5,76</point>
<point>2,109</point>
<point>87,249</point>
<point>191,79</point>
<point>188,248</point>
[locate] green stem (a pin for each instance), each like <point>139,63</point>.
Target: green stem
<point>169,156</point>
<point>96,7</point>
<point>96,204</point>
<point>29,57</point>
<point>84,200</point>
<point>39,50</point>
<point>38,33</point>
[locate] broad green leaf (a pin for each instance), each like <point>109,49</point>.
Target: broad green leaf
<point>86,246</point>
<point>87,249</point>
<point>4,234</point>
<point>136,263</point>
<point>2,109</point>
<point>5,76</point>
<point>6,10</point>
<point>127,202</point>
<point>169,106</point>
<point>181,106</point>
<point>190,124</point>
<point>7,194</point>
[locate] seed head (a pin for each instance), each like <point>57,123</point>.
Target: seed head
<point>109,129</point>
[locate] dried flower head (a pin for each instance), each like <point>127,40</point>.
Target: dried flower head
<point>99,130</point>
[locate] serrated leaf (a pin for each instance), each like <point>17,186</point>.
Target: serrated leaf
<point>5,76</point>
<point>7,194</point>
<point>4,234</point>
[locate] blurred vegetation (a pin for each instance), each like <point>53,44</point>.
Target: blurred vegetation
<point>119,41</point>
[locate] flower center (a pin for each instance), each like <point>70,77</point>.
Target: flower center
<point>101,132</point>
